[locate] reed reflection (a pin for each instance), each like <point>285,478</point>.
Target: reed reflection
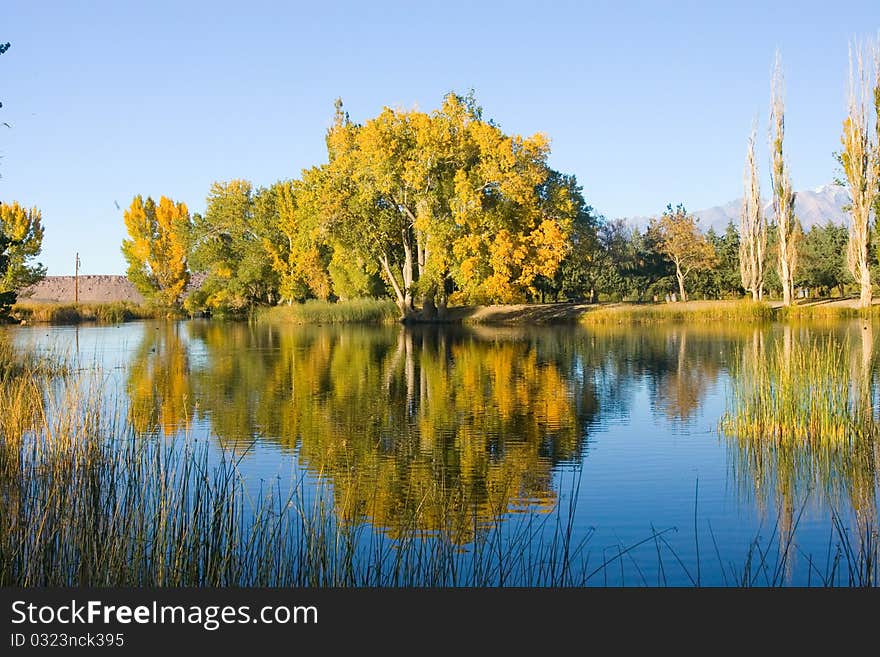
<point>800,418</point>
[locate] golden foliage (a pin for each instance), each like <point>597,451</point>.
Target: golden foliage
<point>157,248</point>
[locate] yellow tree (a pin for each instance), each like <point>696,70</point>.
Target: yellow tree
<point>441,199</point>
<point>156,250</point>
<point>510,234</point>
<point>683,243</point>
<point>23,229</point>
<point>788,228</point>
<point>300,256</point>
<point>861,164</point>
<point>752,228</point>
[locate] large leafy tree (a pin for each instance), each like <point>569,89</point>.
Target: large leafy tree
<point>647,268</point>
<point>445,202</point>
<point>228,245</point>
<point>824,265</point>
<point>23,228</point>
<point>683,243</point>
<point>300,254</point>
<point>614,258</point>
<point>156,250</point>
<point>579,272</point>
<point>724,278</point>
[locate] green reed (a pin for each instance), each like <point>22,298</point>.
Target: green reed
<point>798,394</point>
<point>800,420</point>
<point>86,501</point>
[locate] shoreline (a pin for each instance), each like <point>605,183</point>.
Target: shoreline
<point>382,311</point>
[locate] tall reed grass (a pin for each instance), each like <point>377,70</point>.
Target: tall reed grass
<point>365,310</point>
<point>798,393</point>
<point>87,501</point>
<point>692,311</point>
<point>824,311</point>
<point>70,313</point>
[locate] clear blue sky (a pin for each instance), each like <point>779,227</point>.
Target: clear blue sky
<point>647,103</point>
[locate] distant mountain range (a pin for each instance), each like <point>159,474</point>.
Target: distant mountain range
<point>815,206</point>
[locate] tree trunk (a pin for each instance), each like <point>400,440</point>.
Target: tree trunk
<point>407,275</point>
<point>400,297</point>
<point>865,296</point>
<point>429,308</point>
<point>679,274</point>
<point>785,279</point>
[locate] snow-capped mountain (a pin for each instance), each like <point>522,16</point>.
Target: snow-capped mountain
<point>815,206</point>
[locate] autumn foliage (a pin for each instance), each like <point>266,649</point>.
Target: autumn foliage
<point>156,250</point>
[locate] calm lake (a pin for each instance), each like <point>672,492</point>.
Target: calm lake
<point>611,433</point>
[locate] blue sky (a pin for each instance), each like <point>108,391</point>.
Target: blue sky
<point>648,103</point>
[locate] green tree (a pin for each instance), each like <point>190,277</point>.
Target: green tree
<point>228,244</point>
<point>616,255</point>
<point>824,265</point>
<point>647,268</point>
<point>577,275</point>
<point>7,298</point>
<point>24,229</point>
<point>722,280</point>
<point>301,255</point>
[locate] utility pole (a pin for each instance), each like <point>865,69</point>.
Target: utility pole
<point>76,281</point>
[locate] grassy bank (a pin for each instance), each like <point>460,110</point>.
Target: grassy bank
<point>71,313</point>
<point>691,311</point>
<point>825,311</point>
<point>385,311</point>
<point>327,312</point>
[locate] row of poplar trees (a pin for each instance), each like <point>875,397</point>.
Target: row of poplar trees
<point>860,161</point>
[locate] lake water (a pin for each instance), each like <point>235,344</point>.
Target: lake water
<point>611,431</point>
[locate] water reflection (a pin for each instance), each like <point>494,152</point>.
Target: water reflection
<point>437,430</point>
<point>802,423</point>
<point>159,385</point>
<point>442,430</point>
